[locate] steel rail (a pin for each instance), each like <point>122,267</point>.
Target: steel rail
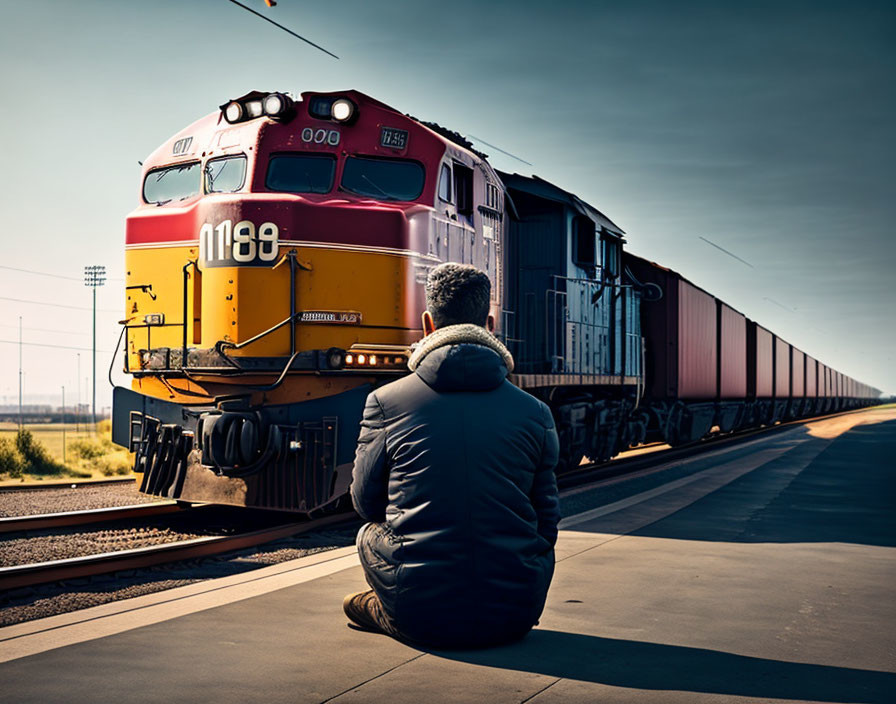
<point>19,576</point>
<point>43,486</point>
<point>39,521</point>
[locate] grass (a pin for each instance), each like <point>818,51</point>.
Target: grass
<point>49,435</point>
<point>37,453</point>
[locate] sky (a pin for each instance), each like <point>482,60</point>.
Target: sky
<point>765,128</point>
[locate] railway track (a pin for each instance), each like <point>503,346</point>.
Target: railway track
<point>28,575</point>
<point>45,486</point>
<point>40,521</point>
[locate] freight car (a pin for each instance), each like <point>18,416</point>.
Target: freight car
<point>275,269</point>
<point>709,366</point>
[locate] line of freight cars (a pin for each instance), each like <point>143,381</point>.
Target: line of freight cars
<point>708,365</point>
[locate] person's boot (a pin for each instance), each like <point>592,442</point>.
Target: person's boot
<point>362,608</point>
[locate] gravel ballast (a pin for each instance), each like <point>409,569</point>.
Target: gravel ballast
<point>65,545</point>
<point>48,600</point>
<point>83,498</point>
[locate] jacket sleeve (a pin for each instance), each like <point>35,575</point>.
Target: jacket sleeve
<point>544,489</point>
<point>370,475</point>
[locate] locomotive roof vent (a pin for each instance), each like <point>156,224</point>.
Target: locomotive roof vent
<point>277,106</point>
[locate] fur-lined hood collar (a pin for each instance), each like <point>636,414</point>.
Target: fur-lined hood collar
<point>466,333</point>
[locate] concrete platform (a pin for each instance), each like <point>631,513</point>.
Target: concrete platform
<point>768,574</point>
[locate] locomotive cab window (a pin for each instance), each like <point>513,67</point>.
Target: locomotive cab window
<point>225,175</point>
<point>301,173</point>
<point>584,244</point>
<point>171,183</point>
<point>445,183</point>
<point>383,179</point>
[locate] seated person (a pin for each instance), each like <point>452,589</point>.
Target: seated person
<point>454,471</point>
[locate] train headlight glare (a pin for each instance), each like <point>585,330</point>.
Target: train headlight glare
<point>233,112</point>
<point>362,358</point>
<point>373,360</point>
<point>349,359</point>
<point>253,107</point>
<point>342,110</point>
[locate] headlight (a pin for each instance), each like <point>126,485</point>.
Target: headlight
<point>253,107</point>
<point>277,105</point>
<point>233,112</point>
<point>342,110</point>
<point>336,358</point>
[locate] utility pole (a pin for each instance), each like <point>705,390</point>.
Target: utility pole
<point>78,404</point>
<point>63,425</point>
<point>20,373</point>
<point>94,277</point>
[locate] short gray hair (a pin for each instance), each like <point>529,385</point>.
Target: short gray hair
<point>458,293</point>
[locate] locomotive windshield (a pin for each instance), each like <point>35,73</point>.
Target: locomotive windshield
<point>225,175</point>
<point>301,173</point>
<point>384,179</point>
<point>170,183</point>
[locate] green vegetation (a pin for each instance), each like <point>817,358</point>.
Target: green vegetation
<point>12,464</point>
<point>36,452</point>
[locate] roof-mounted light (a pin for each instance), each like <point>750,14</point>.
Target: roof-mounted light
<point>330,107</point>
<point>343,110</point>
<point>234,112</point>
<point>277,105</point>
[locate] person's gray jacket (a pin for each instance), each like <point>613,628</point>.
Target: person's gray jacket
<point>455,472</point>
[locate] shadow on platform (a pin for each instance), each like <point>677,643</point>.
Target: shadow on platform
<point>654,666</point>
<point>845,494</point>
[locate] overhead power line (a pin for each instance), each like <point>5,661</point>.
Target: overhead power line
<point>512,156</point>
<point>58,347</point>
<point>56,332</point>
<point>285,29</point>
<point>58,305</point>
<point>730,254</point>
<point>45,273</point>
<point>39,273</point>
<point>780,305</point>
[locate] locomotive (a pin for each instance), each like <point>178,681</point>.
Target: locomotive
<point>274,276</point>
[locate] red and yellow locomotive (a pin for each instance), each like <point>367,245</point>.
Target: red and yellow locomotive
<point>275,271</point>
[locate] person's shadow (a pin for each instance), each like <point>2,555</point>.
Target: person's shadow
<point>654,666</point>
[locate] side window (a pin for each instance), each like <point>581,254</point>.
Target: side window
<point>491,196</point>
<point>463,189</point>
<point>584,244</point>
<point>610,247</point>
<point>445,183</point>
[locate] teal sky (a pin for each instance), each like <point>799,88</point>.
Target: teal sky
<point>766,128</point>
